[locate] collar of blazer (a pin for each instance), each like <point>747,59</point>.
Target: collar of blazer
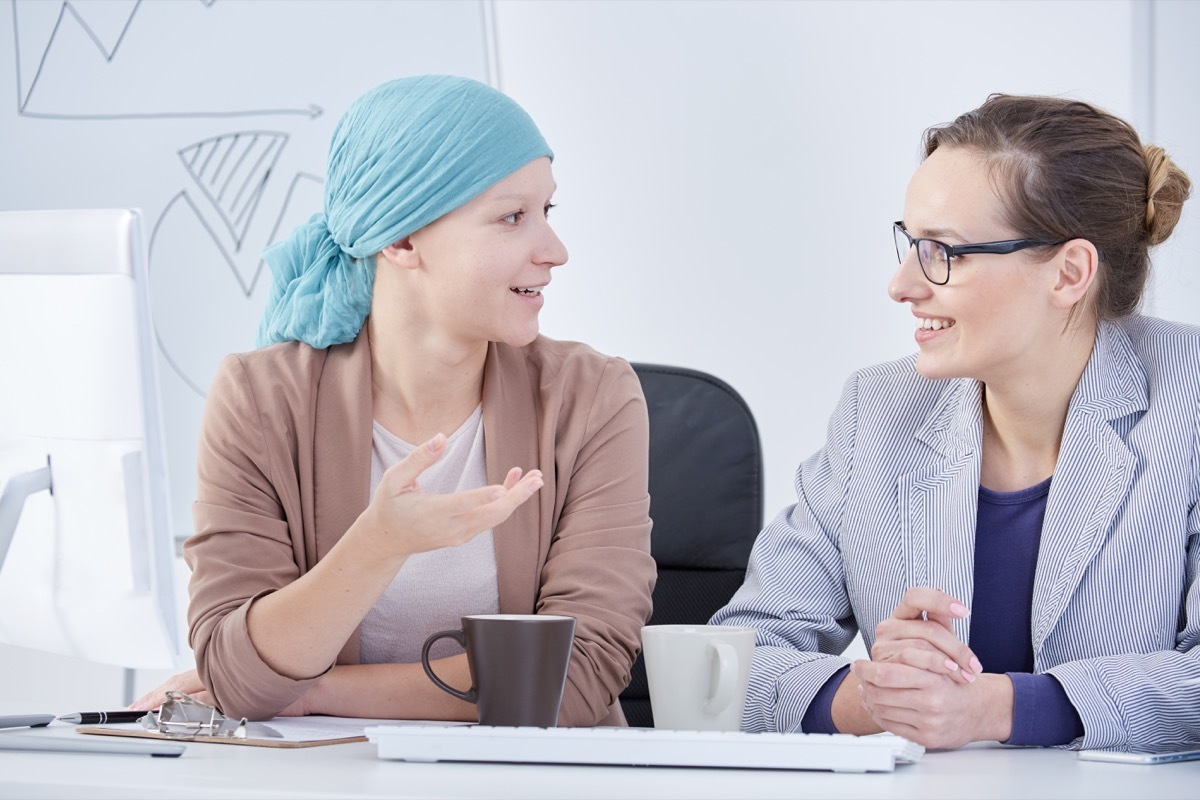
<point>1113,385</point>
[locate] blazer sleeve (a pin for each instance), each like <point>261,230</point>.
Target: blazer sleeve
<point>242,549</point>
<point>795,589</point>
<point>598,568</point>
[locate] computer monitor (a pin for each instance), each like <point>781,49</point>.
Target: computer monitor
<point>87,556</point>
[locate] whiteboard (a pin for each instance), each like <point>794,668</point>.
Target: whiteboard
<point>213,117</point>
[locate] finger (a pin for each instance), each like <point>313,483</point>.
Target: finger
<point>501,504</point>
<point>461,504</point>
<point>514,475</point>
<point>149,701</point>
<point>187,682</point>
<point>893,718</point>
<point>408,469</point>
<point>905,632</point>
<point>929,659</point>
<point>922,602</point>
<point>890,675</point>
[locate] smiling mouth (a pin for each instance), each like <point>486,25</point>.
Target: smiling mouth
<point>927,324</point>
<point>525,292</point>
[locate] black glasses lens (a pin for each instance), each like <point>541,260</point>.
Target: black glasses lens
<point>935,261</point>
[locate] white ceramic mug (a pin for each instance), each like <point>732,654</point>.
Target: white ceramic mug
<point>697,675</point>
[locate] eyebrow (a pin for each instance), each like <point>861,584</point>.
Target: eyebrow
<point>518,197</point>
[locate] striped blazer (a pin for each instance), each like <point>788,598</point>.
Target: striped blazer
<point>890,502</point>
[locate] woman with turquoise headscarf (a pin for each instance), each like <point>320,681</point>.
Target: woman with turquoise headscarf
<point>405,448</point>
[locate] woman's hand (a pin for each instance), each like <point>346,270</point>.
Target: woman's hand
<point>299,629</point>
<point>186,682</point>
<point>920,634</point>
<point>924,684</point>
<point>933,710</point>
<point>408,521</point>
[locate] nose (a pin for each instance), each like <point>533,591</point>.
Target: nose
<point>908,282</point>
<point>551,250</point>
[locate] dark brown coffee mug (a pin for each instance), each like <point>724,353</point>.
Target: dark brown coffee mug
<point>518,666</point>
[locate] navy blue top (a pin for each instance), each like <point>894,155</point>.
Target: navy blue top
<point>1007,535</point>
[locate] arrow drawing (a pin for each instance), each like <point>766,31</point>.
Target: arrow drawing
<point>49,36</point>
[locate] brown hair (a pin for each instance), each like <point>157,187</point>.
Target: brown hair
<point>1068,170</point>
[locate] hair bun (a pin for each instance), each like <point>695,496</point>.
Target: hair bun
<point>1167,187</point>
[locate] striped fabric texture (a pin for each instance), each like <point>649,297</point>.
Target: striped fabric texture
<point>890,502</point>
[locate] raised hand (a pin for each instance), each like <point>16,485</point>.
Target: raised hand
<point>404,520</point>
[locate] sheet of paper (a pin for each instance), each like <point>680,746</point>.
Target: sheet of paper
<point>310,729</point>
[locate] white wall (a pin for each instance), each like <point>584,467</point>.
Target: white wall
<point>728,172</point>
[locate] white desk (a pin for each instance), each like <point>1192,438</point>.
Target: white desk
<point>354,771</point>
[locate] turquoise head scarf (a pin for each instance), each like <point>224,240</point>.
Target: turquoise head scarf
<point>404,154</point>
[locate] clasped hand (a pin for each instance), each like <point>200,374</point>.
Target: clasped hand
<point>924,684</point>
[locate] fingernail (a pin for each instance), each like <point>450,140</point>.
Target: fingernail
<point>950,665</point>
<point>435,444</point>
<point>959,610</point>
<point>975,665</point>
<point>970,676</point>
<point>499,494</point>
<point>860,689</point>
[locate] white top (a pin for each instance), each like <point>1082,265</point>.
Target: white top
<point>433,590</point>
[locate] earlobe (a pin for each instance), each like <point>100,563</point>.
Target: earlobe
<point>1077,264</point>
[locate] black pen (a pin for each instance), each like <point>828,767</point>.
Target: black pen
<point>102,717</point>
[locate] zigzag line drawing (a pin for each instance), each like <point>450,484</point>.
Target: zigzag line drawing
<point>68,12</point>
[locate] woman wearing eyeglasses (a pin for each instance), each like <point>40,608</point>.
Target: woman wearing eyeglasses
<point>1011,516</point>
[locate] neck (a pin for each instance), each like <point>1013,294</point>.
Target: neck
<point>1024,414</point>
<point>421,383</point>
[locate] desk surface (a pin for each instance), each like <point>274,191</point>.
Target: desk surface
<point>354,771</point>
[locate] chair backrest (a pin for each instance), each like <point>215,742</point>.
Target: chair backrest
<point>706,501</point>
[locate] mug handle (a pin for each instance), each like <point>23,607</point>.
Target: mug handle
<point>727,675</point>
<point>471,696</point>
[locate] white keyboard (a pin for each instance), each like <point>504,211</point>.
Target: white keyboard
<point>644,747</point>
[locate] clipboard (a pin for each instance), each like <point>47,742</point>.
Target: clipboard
<point>182,718</point>
<point>295,732</point>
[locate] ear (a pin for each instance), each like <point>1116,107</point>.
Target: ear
<point>401,253</point>
<point>1077,263</point>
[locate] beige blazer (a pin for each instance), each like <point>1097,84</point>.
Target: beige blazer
<point>284,469</point>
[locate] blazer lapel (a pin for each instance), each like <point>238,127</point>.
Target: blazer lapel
<point>1092,477</point>
<point>341,471</point>
<point>938,502</point>
<point>510,439</point>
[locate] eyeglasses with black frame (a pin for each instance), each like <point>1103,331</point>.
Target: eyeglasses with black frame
<point>934,256</point>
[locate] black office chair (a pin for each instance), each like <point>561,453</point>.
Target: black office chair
<point>706,500</point>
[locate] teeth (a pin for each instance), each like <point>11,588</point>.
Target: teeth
<point>933,324</point>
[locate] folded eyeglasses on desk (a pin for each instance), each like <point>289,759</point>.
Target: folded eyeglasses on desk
<point>644,747</point>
